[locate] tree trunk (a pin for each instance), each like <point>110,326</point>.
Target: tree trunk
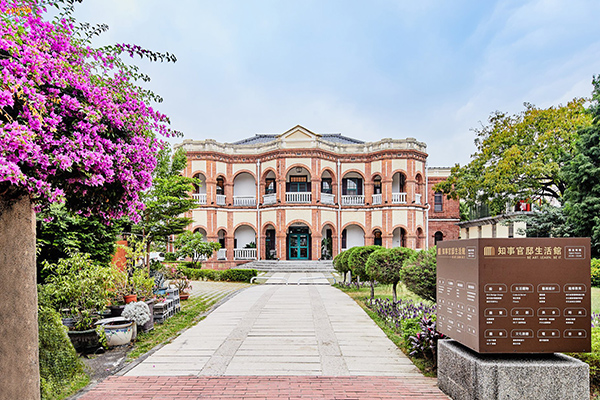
<point>372,290</point>
<point>19,359</point>
<point>394,291</point>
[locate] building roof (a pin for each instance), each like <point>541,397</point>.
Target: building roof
<point>268,137</point>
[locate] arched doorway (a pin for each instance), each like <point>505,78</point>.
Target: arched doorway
<point>377,239</point>
<point>399,237</point>
<point>298,242</point>
<point>270,243</point>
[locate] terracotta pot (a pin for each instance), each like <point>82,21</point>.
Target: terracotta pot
<point>184,296</point>
<point>130,298</point>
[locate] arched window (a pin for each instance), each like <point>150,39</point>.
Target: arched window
<point>438,237</point>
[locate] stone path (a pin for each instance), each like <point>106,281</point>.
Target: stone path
<point>295,278</point>
<point>277,341</point>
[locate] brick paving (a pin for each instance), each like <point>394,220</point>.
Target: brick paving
<point>266,387</point>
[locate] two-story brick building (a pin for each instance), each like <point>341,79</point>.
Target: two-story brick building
<point>301,195</point>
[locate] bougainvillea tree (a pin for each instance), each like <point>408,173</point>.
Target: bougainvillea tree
<point>75,127</point>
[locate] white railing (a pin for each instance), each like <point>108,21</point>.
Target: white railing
<point>376,199</point>
<point>399,198</point>
<point>244,201</point>
<point>327,198</point>
<point>298,197</point>
<point>417,198</point>
<point>200,198</point>
<point>221,199</point>
<point>269,198</point>
<point>244,254</point>
<point>222,254</point>
<point>353,200</point>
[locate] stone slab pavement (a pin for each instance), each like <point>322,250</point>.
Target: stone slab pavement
<point>277,341</point>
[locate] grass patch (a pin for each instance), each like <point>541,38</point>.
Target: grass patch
<point>75,384</point>
<point>595,300</point>
<point>362,296</point>
<point>189,315</point>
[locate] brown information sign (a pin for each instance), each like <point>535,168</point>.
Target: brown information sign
<point>521,295</point>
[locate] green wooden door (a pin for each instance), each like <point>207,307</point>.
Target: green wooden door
<point>298,246</point>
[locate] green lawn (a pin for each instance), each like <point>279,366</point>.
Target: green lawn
<point>595,300</point>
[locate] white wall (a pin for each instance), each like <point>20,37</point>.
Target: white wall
<point>244,235</point>
<point>354,236</point>
<point>244,185</point>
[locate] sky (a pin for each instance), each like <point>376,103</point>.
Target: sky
<point>428,69</point>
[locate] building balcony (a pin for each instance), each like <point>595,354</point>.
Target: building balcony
<point>244,201</point>
<point>298,197</point>
<point>221,199</point>
<point>222,254</point>
<point>327,198</point>
<point>270,198</point>
<point>200,198</point>
<point>244,254</point>
<point>376,199</point>
<point>353,200</point>
<point>398,198</point>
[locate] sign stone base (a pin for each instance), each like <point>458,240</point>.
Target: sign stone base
<point>466,375</point>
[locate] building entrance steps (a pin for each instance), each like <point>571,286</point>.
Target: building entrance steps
<point>277,341</point>
<point>289,266</point>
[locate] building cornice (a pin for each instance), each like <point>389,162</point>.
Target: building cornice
<point>281,146</point>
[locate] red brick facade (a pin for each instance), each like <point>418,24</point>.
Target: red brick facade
<point>395,214</point>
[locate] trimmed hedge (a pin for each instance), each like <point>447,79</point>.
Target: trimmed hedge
<point>228,275</point>
<point>419,273</point>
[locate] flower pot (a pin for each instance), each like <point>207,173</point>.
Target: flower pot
<point>118,330</point>
<point>116,311</point>
<point>130,298</point>
<point>68,322</point>
<point>84,341</point>
<point>184,296</point>
<point>148,326</point>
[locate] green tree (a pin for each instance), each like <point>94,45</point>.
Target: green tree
<point>385,266</point>
<point>519,156</point>
<point>194,246</point>
<point>61,232</point>
<point>582,197</point>
<point>419,273</point>
<point>340,263</point>
<point>167,200</point>
<point>357,261</point>
<point>546,221</point>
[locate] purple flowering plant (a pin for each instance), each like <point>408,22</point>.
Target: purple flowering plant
<point>75,126</point>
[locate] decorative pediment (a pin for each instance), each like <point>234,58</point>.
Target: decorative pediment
<point>298,133</point>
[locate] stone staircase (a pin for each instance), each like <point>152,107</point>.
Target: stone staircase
<point>289,266</point>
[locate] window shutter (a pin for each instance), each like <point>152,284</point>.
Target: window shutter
<point>359,186</point>
<point>344,186</point>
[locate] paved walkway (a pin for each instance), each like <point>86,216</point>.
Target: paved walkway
<point>295,278</point>
<point>277,341</point>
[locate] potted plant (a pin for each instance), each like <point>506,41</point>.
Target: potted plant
<point>181,282</point>
<point>80,288</point>
<point>140,313</point>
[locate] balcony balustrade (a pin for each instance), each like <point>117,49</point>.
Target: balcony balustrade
<point>353,200</point>
<point>298,197</point>
<point>200,198</point>
<point>222,254</point>
<point>376,199</point>
<point>327,198</point>
<point>221,199</point>
<point>399,198</point>
<point>244,254</point>
<point>244,201</point>
<point>269,199</point>
<point>418,198</point>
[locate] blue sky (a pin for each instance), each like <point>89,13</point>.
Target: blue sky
<point>429,69</point>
